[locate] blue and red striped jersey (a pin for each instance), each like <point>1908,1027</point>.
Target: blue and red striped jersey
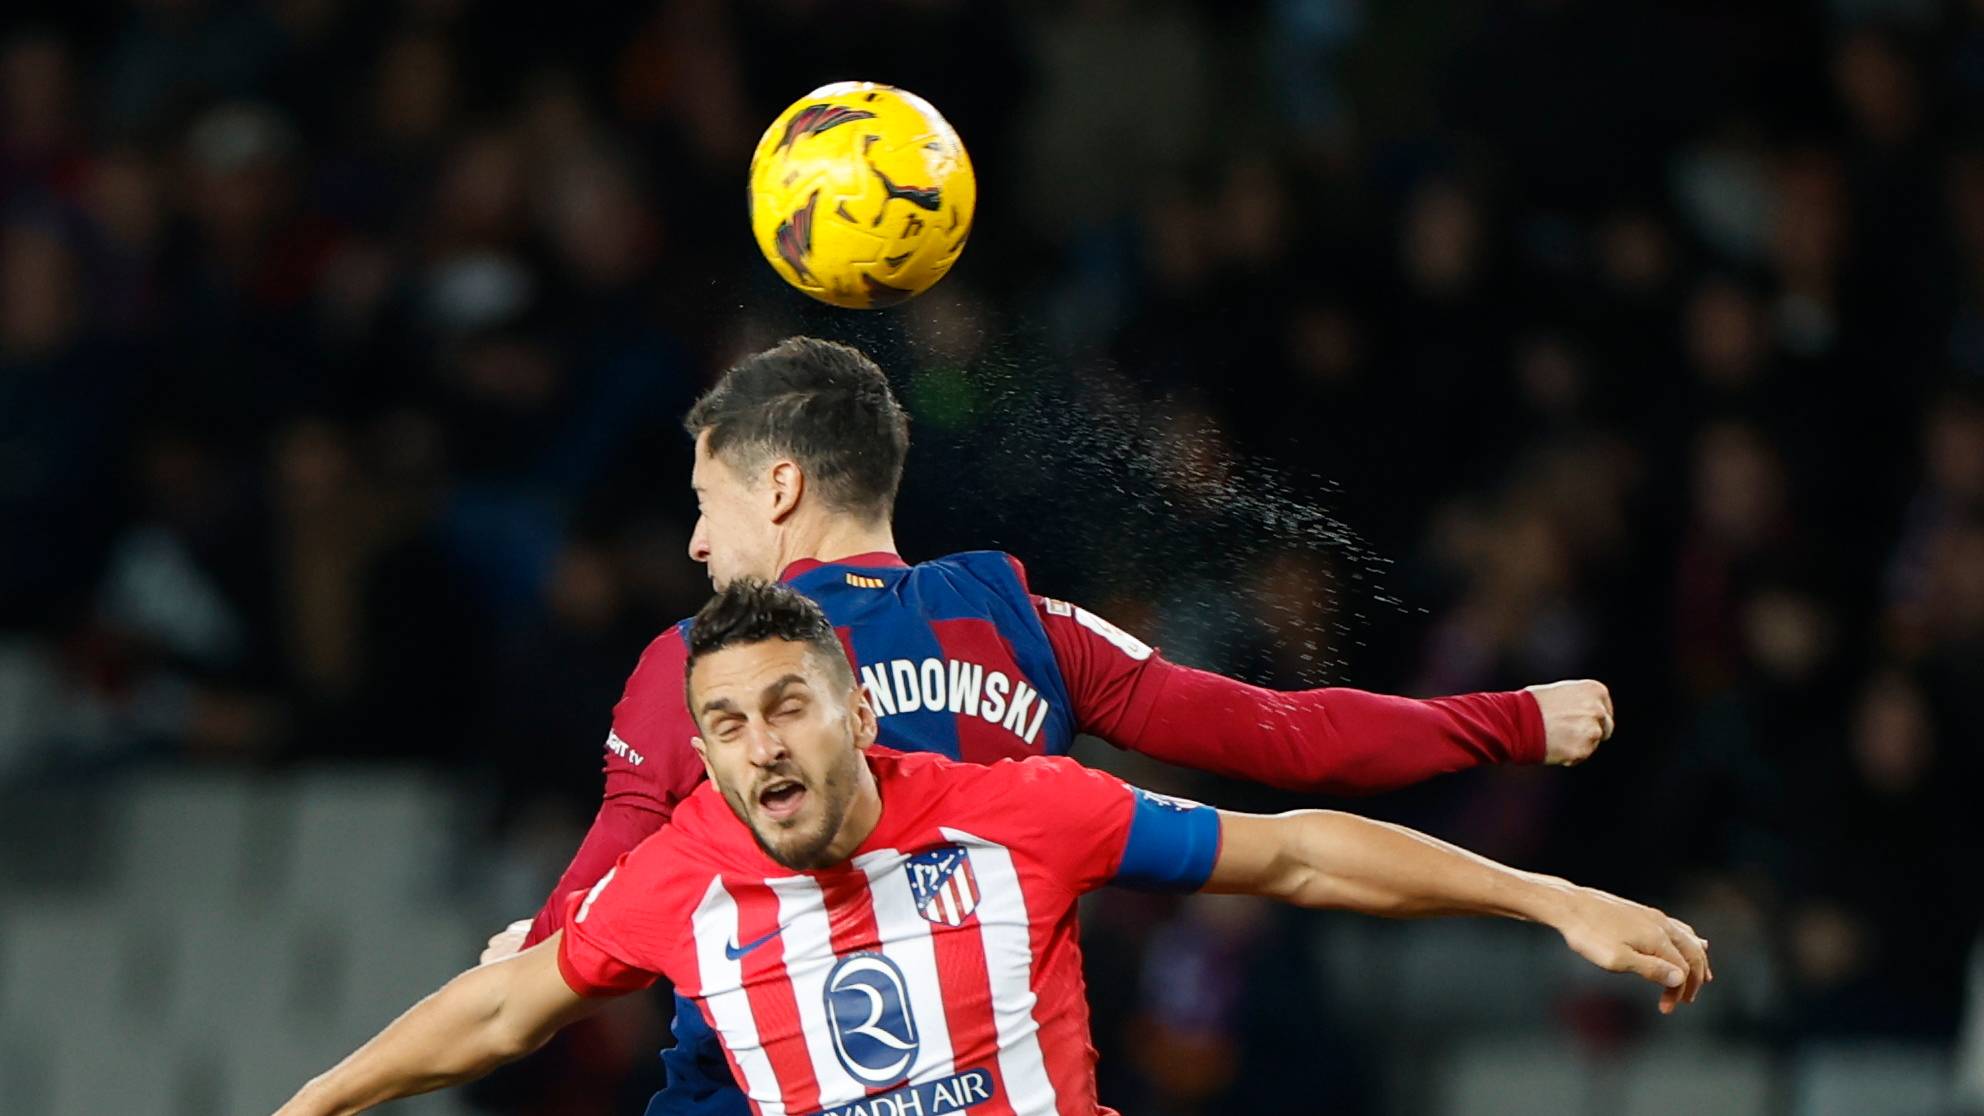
<point>953,653</point>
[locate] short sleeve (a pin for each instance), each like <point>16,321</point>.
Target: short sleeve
<point>602,951</point>
<point>1088,828</point>
<point>1071,820</point>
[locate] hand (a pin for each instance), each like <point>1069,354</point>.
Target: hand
<point>1621,936</point>
<point>1577,718</point>
<point>506,942</point>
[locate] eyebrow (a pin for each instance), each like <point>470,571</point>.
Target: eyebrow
<point>782,683</point>
<point>725,705</point>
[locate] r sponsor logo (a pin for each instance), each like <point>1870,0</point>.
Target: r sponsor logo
<point>874,1028</point>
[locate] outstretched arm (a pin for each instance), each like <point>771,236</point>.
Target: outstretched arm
<point>481,1019</point>
<point>1333,740</point>
<point>1321,858</point>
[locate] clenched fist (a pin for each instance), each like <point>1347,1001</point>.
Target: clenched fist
<point>1577,718</point>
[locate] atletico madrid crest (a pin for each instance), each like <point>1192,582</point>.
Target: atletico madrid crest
<point>943,885</point>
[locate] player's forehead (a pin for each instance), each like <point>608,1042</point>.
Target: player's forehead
<point>746,673</point>
<point>710,470</point>
<point>699,471</point>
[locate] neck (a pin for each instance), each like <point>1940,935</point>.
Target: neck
<point>863,814</point>
<point>836,536</point>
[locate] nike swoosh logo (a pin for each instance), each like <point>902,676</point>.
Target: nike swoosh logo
<point>736,952</point>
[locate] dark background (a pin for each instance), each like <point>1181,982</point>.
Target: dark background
<point>1426,346</point>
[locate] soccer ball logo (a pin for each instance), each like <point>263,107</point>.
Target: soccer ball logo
<point>861,195</point>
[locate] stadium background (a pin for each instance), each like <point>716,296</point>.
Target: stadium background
<point>1432,345</point>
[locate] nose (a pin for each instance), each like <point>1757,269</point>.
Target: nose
<point>764,748</point>
<point>699,543</point>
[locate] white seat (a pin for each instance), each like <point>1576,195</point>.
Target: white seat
<point>1495,1077</point>
<point>1969,1074</point>
<point>260,1072</point>
<point>1470,974</point>
<point>63,958</point>
<point>261,1069</point>
<point>190,840</point>
<point>30,702</point>
<point>353,983</point>
<point>231,971</point>
<point>390,965</point>
<point>1893,1080</point>
<point>376,839</point>
<point>131,1073</point>
<point>24,1063</point>
<point>1701,1079</point>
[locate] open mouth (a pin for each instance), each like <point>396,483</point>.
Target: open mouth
<point>781,798</point>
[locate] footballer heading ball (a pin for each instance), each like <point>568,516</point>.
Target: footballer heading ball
<point>861,195</point>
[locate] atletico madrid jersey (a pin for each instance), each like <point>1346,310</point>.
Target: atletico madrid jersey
<point>936,971</point>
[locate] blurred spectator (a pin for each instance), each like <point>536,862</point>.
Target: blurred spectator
<point>67,404</point>
<point>1881,944</point>
<point>1434,347</point>
<point>42,148</point>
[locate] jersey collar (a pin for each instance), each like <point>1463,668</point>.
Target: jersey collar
<point>873,560</point>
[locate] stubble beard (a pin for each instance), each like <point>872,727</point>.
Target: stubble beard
<point>788,847</point>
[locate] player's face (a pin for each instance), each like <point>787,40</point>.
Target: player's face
<point>782,734</point>
<point>736,534</point>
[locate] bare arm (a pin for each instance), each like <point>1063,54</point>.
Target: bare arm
<point>481,1019</point>
<point>1321,858</point>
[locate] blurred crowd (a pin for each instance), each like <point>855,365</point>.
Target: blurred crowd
<point>1428,347</point>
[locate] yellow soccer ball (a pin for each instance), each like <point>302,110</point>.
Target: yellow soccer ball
<point>861,195</point>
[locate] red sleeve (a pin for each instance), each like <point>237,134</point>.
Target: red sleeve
<point>650,766</point>
<point>610,945</point>
<point>1077,820</point>
<point>1332,740</point>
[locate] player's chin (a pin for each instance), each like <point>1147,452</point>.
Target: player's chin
<point>796,847</point>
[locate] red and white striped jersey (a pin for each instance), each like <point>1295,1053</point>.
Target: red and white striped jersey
<point>936,971</point>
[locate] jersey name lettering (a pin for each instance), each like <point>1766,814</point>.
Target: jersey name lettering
<point>955,686</point>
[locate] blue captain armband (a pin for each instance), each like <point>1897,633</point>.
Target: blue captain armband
<point>1173,843</point>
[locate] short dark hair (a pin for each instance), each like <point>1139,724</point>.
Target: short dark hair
<point>753,611</point>
<point>824,404</point>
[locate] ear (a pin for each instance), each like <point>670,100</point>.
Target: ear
<point>866,726</point>
<point>787,484</point>
<point>703,753</point>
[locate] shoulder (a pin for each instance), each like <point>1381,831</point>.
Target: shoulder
<point>919,770</point>
<point>1038,777</point>
<point>701,839</point>
<point>704,818</point>
<point>657,675</point>
<point>926,779</point>
<point>665,654</point>
<point>984,565</point>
